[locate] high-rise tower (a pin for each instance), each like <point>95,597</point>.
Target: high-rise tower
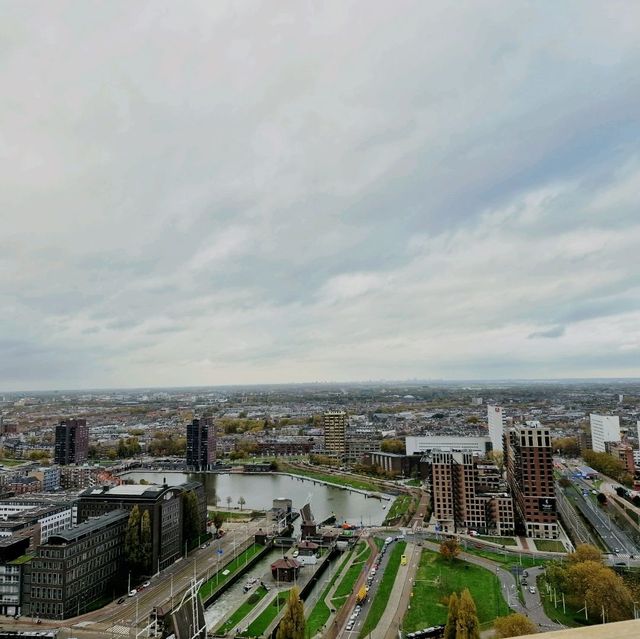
<point>529,462</point>
<point>72,442</point>
<point>201,444</point>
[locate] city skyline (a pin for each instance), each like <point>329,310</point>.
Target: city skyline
<point>206,195</point>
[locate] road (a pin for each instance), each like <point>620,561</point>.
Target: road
<point>166,587</point>
<point>612,536</point>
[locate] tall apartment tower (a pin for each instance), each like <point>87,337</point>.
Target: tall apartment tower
<point>201,444</point>
<point>495,419</point>
<point>604,428</point>
<point>469,495</point>
<point>529,463</point>
<point>335,432</point>
<point>72,442</point>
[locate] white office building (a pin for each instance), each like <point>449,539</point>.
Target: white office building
<point>495,419</point>
<point>447,443</point>
<point>604,428</point>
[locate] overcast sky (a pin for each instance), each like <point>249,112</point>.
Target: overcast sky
<point>230,192</point>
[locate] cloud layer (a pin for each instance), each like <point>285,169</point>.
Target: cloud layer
<point>214,193</point>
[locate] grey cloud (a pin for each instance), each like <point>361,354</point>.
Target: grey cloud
<point>198,171</point>
<point>556,331</point>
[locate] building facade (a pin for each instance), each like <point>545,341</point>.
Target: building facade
<point>165,507</point>
<point>72,442</point>
<point>201,444</point>
<point>75,568</point>
<point>604,428</point>
<point>415,444</point>
<point>469,496</point>
<point>529,464</point>
<point>358,447</point>
<point>335,432</point>
<point>495,420</point>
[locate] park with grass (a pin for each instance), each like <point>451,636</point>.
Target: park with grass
<point>568,615</point>
<point>228,570</point>
<point>400,506</point>
<point>437,578</point>
<point>507,560</point>
<point>381,598</point>
<point>260,624</point>
<point>347,481</point>
<point>502,541</point>
<point>346,586</point>
<point>549,545</point>
<point>243,610</point>
<point>320,613</point>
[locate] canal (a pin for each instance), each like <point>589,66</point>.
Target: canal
<point>258,491</point>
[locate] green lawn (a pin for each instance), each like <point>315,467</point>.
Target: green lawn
<point>260,624</point>
<point>437,578</point>
<point>571,618</point>
<point>549,545</point>
<point>341,480</point>
<point>503,541</point>
<point>210,586</point>
<point>236,514</point>
<point>383,593</point>
<point>507,559</point>
<point>13,462</point>
<point>345,587</point>
<point>321,612</point>
<point>399,507</point>
<point>243,610</point>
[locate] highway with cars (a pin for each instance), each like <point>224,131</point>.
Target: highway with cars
<point>615,539</point>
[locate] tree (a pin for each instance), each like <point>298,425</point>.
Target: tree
<point>514,625</point>
<point>292,625</point>
<point>452,617</point>
<point>450,549</point>
<point>229,500</point>
<point>132,540</point>
<point>602,499</point>
<point>498,458</point>
<point>218,520</point>
<point>190,516</point>
<point>146,548</point>
<point>567,446</point>
<point>241,502</point>
<point>467,624</point>
<point>392,446</point>
<point>585,552</point>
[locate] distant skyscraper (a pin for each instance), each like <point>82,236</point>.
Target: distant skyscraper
<point>201,444</point>
<point>335,432</point>
<point>72,442</point>
<point>495,418</point>
<point>604,428</point>
<point>529,463</point>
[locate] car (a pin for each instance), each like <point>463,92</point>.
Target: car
<point>532,590</point>
<point>403,560</point>
<point>203,546</point>
<point>121,600</point>
<point>525,573</point>
<point>146,584</point>
<point>296,553</point>
<point>617,550</point>
<point>133,593</point>
<point>525,583</point>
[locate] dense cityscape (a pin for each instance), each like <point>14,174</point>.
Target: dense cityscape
<point>116,516</point>
<point>319,320</point>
